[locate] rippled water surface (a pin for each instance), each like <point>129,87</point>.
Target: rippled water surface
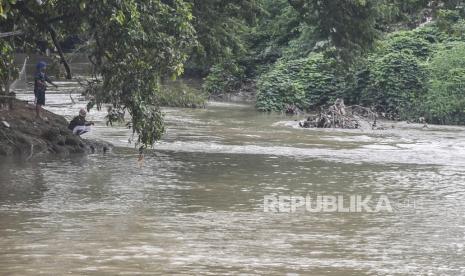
<point>196,205</point>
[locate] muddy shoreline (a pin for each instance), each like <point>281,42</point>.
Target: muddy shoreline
<point>22,134</point>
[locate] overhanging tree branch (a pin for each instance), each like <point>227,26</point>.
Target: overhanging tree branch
<point>8,34</point>
<point>53,35</point>
<point>21,6</point>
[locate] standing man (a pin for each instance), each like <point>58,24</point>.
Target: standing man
<point>40,86</point>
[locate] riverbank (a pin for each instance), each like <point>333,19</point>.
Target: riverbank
<point>245,93</point>
<point>21,133</point>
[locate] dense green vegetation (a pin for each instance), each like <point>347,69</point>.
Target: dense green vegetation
<point>301,53</point>
<point>380,54</point>
<point>306,82</point>
<point>445,101</point>
<point>181,93</point>
<point>7,68</point>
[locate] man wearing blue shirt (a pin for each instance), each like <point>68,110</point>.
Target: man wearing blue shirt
<point>40,86</point>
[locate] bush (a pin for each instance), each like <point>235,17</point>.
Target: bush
<point>451,24</point>
<point>411,74</point>
<point>430,33</point>
<point>181,94</point>
<point>408,41</point>
<point>306,83</point>
<point>8,71</point>
<point>445,100</point>
<point>278,88</point>
<point>225,77</point>
<point>396,83</point>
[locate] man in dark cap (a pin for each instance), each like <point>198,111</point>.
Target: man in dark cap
<point>40,86</point>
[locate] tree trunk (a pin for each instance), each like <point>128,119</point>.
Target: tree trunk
<point>22,7</point>
<point>13,33</point>
<point>7,84</point>
<point>53,34</point>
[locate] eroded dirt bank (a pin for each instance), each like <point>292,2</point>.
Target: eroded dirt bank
<point>21,133</point>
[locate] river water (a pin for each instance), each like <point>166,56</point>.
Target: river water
<point>196,205</point>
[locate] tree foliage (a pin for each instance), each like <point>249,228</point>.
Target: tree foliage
<point>406,41</point>
<point>396,82</point>
<point>445,100</point>
<point>349,24</point>
<point>266,41</point>
<point>7,69</point>
<point>224,77</point>
<point>131,44</point>
<point>136,44</point>
<point>219,27</point>
<point>307,83</point>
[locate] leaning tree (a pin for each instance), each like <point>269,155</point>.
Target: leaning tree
<point>131,45</point>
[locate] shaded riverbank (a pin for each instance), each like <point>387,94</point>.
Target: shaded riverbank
<point>21,133</point>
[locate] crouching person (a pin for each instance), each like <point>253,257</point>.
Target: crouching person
<point>79,125</point>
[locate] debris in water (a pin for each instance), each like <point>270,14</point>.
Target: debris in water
<point>341,116</point>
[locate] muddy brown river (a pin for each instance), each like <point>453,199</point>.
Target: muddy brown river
<point>196,206</point>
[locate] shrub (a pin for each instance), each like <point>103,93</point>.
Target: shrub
<point>306,83</point>
<point>430,33</point>
<point>181,94</point>
<point>447,18</point>
<point>445,100</point>
<point>278,88</point>
<point>451,24</point>
<point>8,71</point>
<point>408,41</point>
<point>396,82</point>
<point>225,77</point>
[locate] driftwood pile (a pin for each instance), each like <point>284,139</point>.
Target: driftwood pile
<point>340,116</point>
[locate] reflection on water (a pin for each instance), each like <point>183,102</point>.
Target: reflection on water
<point>196,205</point>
